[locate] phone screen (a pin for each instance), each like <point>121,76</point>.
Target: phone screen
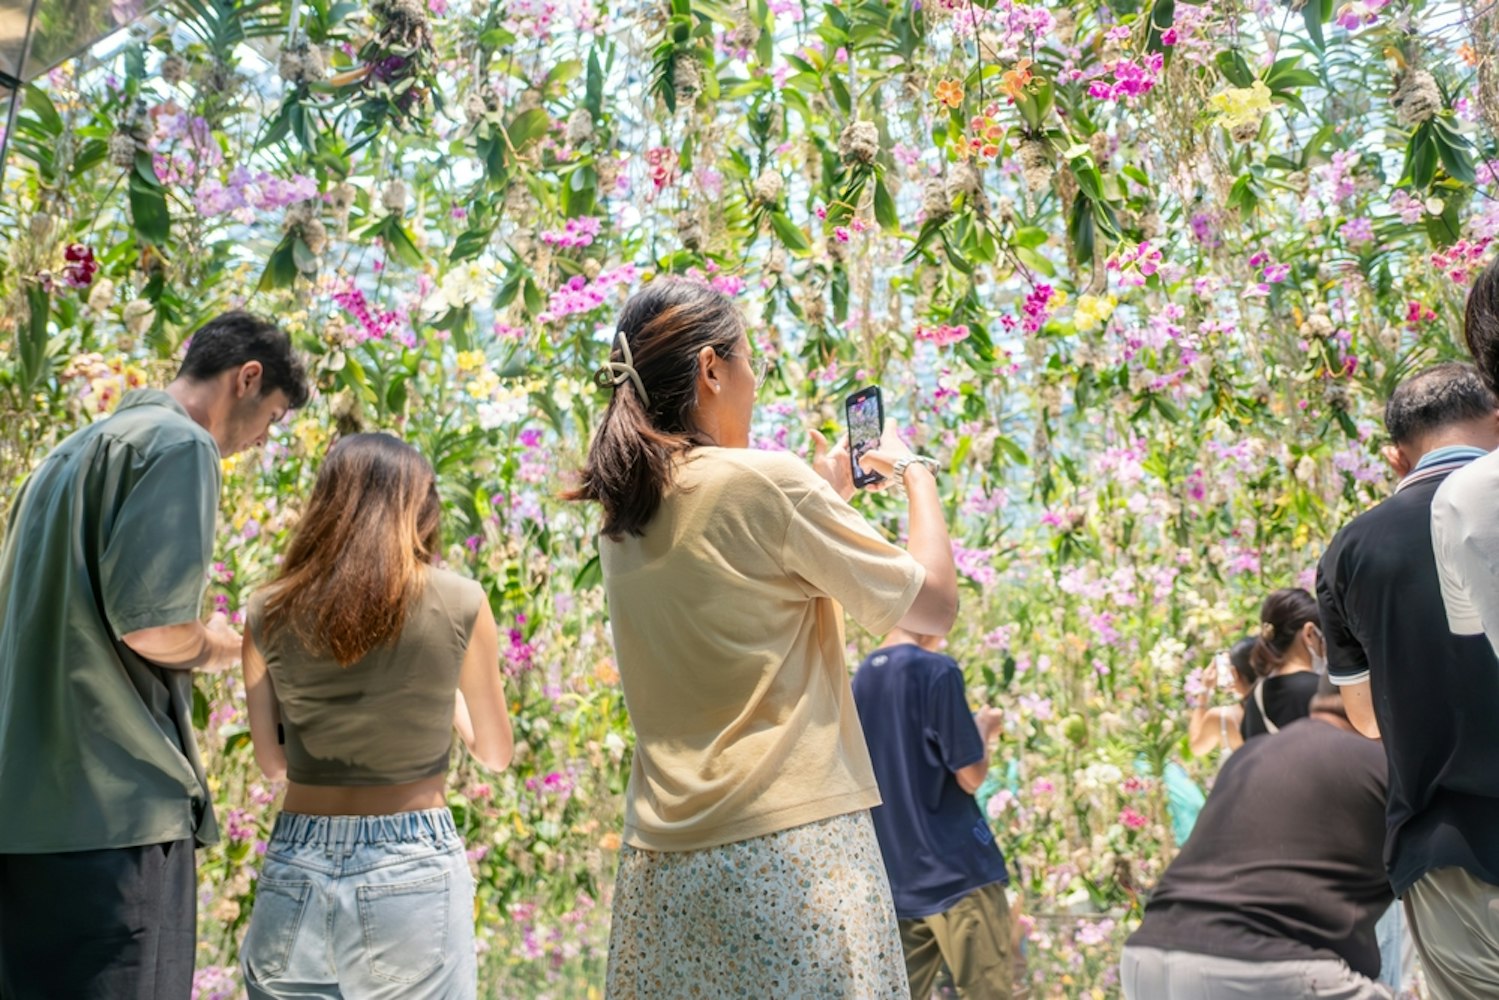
<point>866,420</point>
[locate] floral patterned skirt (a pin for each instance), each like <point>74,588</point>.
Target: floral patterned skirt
<point>802,914</point>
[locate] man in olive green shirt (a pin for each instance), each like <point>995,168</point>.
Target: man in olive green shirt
<point>102,576</point>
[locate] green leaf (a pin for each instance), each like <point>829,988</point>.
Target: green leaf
<point>955,256</point>
<point>1162,16</point>
<point>1080,227</point>
<point>280,268</point>
<point>39,104</point>
<point>469,245</point>
<point>398,243</point>
<point>1455,157</point>
<point>589,577</point>
<point>1233,67</point>
<point>200,708</point>
<point>149,215</point>
<point>594,94</point>
<point>1421,158</point>
<point>32,346</point>
<point>790,233</point>
<point>527,127</point>
<point>884,208</point>
<point>1311,13</point>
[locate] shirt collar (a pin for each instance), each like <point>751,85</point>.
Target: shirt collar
<point>151,397</point>
<point>1439,462</point>
<point>1451,453</point>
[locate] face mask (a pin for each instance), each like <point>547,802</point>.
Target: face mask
<point>1319,659</point>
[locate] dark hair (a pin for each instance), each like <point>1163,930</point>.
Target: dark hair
<point>358,555</point>
<point>1239,656</point>
<point>1281,616</point>
<point>666,325</point>
<point>1481,326</point>
<point>235,338</point>
<point>1435,398</point>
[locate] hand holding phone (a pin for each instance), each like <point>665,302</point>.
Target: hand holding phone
<point>1223,671</point>
<point>865,413</point>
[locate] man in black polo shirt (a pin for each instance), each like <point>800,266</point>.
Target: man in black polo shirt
<point>1433,696</point>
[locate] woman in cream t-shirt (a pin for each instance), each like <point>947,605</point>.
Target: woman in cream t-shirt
<point>750,866</point>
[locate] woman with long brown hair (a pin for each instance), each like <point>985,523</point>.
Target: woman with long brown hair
<point>359,659</point>
<point>750,865</point>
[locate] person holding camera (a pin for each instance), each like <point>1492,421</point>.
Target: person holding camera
<point>750,862</point>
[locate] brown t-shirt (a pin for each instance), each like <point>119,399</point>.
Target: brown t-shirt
<point>729,635</point>
<point>386,719</point>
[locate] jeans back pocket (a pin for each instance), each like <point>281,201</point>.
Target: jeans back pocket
<point>405,927</point>
<point>274,922</point>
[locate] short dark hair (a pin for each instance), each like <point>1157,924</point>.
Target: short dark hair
<point>235,338</point>
<point>1481,326</point>
<point>1434,398</point>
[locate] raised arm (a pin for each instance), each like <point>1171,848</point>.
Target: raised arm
<point>935,608</point>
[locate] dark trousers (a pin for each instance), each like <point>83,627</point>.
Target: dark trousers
<point>115,924</point>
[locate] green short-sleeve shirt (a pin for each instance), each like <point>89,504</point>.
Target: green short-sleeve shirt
<point>112,533</point>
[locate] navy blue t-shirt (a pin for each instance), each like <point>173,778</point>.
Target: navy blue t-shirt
<point>937,845</point>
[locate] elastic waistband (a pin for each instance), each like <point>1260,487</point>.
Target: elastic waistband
<point>421,824</point>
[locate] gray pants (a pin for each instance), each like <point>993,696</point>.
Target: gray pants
<point>1153,974</point>
<point>1455,918</point>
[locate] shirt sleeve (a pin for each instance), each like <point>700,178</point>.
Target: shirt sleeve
<point>1455,564</point>
<point>950,723</point>
<point>834,552</point>
<point>154,569</point>
<point>1347,662</point>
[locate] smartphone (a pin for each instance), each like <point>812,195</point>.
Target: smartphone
<point>1225,671</point>
<point>866,424</point>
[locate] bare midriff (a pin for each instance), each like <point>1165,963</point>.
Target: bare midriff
<point>365,800</point>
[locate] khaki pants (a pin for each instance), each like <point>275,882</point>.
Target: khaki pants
<point>972,936</point>
<point>1455,918</point>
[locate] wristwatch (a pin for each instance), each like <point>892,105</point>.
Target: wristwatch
<point>898,471</point>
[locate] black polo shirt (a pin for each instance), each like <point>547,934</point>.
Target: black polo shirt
<point>1436,695</point>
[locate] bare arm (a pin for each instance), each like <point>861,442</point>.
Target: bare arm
<point>481,697</point>
<point>188,646</point>
<point>265,712</point>
<point>971,778</point>
<point>936,606</point>
<point>1206,727</point>
<point>1359,703</point>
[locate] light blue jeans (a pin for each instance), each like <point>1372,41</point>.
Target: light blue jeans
<point>365,907</point>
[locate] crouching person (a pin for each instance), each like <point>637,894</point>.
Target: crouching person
<point>1277,891</point>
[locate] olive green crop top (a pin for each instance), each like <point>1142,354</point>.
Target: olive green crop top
<point>386,719</point>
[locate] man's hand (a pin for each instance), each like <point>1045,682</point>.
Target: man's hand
<point>226,642</point>
<point>989,721</point>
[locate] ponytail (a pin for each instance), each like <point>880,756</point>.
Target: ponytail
<point>1282,616</point>
<point>653,372</point>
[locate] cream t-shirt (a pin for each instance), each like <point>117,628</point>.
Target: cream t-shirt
<point>1465,540</point>
<point>728,632</point>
